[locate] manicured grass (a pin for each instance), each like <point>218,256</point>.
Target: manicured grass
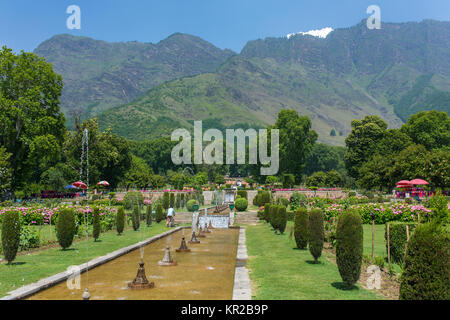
<point>379,241</point>
<point>34,266</point>
<point>279,271</point>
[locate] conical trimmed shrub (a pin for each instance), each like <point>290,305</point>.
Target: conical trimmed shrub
<point>65,228</point>
<point>267,212</point>
<point>120,220</point>
<point>96,224</point>
<point>282,219</point>
<point>148,215</point>
<point>349,247</point>
<point>159,215</point>
<point>172,200</point>
<point>135,218</point>
<point>166,200</point>
<point>301,226</point>
<point>316,233</point>
<point>426,266</point>
<point>273,216</point>
<point>11,234</point>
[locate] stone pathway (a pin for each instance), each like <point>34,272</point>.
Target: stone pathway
<point>242,288</point>
<point>249,218</point>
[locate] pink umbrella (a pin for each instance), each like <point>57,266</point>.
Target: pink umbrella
<point>103,183</point>
<point>418,182</point>
<point>80,185</point>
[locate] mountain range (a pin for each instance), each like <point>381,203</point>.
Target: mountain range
<point>145,91</point>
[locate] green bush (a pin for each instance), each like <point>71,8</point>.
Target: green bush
<point>282,219</point>
<point>96,223</point>
<point>120,220</point>
<point>166,200</point>
<point>190,205</point>
<point>301,224</point>
<point>65,228</point>
<point>29,239</point>
<point>241,204</point>
<point>159,216</point>
<point>266,215</point>
<point>135,218</point>
<point>298,200</point>
<point>242,193</point>
<point>316,233</point>
<point>273,216</point>
<point>349,247</point>
<point>131,198</point>
<point>148,215</point>
<point>426,269</point>
<point>398,240</point>
<point>10,234</point>
<point>285,202</point>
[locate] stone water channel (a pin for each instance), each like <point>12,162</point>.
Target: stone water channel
<point>207,272</point>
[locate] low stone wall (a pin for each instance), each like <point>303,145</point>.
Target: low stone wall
<point>310,194</point>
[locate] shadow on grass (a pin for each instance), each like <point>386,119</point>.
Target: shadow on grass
<point>16,263</point>
<point>69,249</point>
<point>342,286</point>
<point>299,249</point>
<point>313,262</point>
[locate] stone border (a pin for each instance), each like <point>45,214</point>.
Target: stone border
<point>51,281</point>
<point>242,288</point>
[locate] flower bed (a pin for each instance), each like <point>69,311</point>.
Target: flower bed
<point>382,213</point>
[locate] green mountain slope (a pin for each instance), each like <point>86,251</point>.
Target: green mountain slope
<point>392,72</point>
<point>99,75</point>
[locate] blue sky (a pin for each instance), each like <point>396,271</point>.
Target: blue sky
<point>225,23</point>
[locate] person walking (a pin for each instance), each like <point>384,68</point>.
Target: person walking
<point>170,217</point>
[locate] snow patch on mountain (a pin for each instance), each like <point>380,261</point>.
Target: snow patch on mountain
<point>321,33</point>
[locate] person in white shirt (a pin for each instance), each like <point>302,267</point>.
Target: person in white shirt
<point>170,217</point>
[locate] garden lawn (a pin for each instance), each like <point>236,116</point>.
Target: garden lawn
<point>32,267</point>
<point>379,244</point>
<point>280,271</point>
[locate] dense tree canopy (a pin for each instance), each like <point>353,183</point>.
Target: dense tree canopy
<point>362,142</point>
<point>32,129</point>
<point>296,141</point>
<point>429,128</point>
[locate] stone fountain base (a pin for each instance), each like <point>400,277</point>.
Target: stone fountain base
<point>141,282</point>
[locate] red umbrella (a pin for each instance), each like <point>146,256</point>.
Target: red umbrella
<point>103,183</point>
<point>418,182</point>
<point>80,185</point>
<point>404,183</point>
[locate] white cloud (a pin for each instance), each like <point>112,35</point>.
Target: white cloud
<point>321,33</point>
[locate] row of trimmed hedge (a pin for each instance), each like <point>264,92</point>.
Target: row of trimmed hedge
<point>276,216</point>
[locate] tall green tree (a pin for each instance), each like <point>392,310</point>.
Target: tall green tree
<point>32,127</point>
<point>362,142</point>
<point>429,128</point>
<point>139,173</point>
<point>296,141</point>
